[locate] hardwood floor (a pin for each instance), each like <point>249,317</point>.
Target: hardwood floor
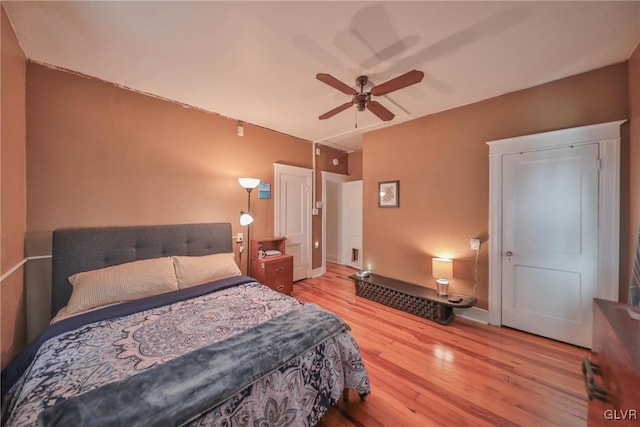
<point>463,374</point>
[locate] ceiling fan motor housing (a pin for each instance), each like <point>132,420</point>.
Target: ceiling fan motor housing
<point>361,99</point>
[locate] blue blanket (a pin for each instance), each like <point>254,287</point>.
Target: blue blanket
<point>180,390</point>
<point>20,363</point>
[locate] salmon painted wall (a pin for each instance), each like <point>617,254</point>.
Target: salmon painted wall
<point>441,161</point>
<point>13,193</point>
<point>100,155</point>
<point>355,165</point>
<point>634,170</point>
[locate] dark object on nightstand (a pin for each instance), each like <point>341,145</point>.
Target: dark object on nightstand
<point>275,271</point>
<point>409,297</point>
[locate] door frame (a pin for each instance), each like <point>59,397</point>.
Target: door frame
<point>607,136</point>
<point>280,169</point>
<point>333,177</point>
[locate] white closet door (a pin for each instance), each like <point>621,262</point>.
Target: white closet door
<point>351,219</point>
<point>292,215</point>
<point>550,242</point>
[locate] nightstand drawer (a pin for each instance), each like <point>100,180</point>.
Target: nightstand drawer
<point>275,272</point>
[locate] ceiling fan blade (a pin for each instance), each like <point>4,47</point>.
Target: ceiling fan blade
<point>335,83</point>
<point>376,108</point>
<point>406,79</point>
<point>335,111</point>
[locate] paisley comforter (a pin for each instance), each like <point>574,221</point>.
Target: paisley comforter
<point>104,354</point>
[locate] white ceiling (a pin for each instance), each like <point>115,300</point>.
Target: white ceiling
<point>257,61</point>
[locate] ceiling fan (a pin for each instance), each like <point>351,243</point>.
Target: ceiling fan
<point>362,100</point>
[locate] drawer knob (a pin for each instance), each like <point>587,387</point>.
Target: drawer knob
<point>279,269</point>
<point>589,372</point>
<point>280,288</point>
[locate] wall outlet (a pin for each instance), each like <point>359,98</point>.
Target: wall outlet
<point>239,237</point>
<point>474,244</point>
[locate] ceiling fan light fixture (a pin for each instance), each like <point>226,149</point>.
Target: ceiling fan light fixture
<point>362,100</point>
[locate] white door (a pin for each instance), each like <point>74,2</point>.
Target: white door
<point>292,215</point>
<point>332,196</point>
<point>550,242</point>
<point>351,220</point>
<point>332,242</point>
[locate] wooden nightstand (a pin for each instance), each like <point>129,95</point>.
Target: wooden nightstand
<point>275,271</point>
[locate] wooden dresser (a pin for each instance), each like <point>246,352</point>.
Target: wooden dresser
<point>612,372</point>
<point>275,271</point>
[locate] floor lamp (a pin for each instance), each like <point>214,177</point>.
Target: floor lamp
<point>245,217</point>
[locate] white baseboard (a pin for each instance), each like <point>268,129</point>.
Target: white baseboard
<point>479,315</point>
<point>316,272</point>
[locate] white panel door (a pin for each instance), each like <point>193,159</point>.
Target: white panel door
<point>550,242</point>
<point>351,219</point>
<point>331,196</point>
<point>293,216</point>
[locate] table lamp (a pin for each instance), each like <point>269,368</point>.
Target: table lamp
<point>442,271</point>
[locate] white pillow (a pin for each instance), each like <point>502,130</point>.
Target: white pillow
<point>196,270</point>
<point>122,282</point>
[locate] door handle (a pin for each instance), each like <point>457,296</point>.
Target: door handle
<point>508,253</point>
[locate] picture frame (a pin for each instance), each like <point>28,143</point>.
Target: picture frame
<point>389,194</point>
<point>264,190</point>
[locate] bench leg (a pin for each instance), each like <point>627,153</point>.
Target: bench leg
<point>445,314</point>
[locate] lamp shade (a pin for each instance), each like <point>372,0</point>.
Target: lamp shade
<point>245,218</point>
<point>442,268</point>
<point>249,182</point>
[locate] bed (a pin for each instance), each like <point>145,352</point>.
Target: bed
<point>208,347</point>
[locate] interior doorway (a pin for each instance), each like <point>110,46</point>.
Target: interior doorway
<point>351,223</point>
<point>332,224</point>
<point>341,220</point>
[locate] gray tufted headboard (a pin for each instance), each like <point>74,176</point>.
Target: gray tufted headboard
<point>83,249</point>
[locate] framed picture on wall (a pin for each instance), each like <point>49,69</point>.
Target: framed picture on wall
<point>264,190</point>
<point>389,194</point>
